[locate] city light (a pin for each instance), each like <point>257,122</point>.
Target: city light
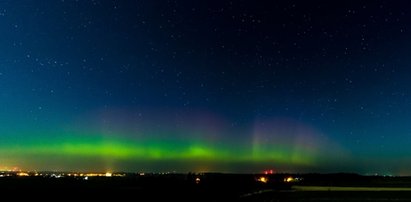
<point>262,179</point>
<point>22,174</point>
<point>288,179</point>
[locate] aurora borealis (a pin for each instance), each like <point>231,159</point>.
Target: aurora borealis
<point>201,144</point>
<point>218,86</point>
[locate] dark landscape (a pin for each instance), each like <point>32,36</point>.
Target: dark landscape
<point>211,187</point>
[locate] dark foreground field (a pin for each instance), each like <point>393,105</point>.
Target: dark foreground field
<point>211,187</point>
<point>353,196</point>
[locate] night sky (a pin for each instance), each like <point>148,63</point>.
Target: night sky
<point>221,86</point>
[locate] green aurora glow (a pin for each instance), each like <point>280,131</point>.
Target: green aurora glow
<point>150,150</point>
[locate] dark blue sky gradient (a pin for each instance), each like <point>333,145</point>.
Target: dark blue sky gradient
<point>342,68</point>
